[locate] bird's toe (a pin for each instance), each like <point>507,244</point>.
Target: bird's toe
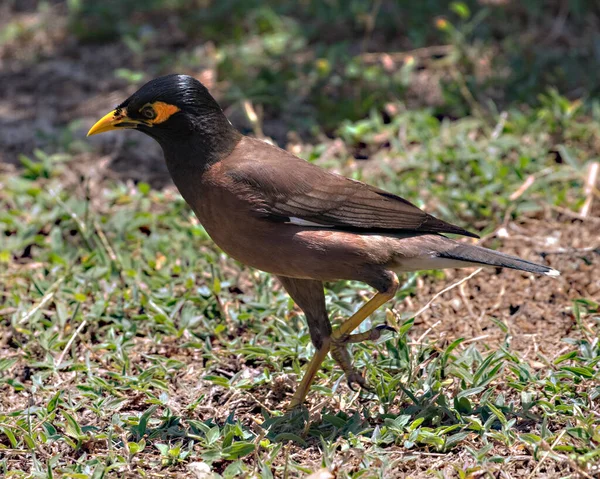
<point>356,378</point>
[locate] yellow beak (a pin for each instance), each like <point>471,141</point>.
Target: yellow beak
<point>115,120</point>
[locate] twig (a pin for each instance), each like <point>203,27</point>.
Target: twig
<point>502,230</point>
<point>558,26</point>
<point>590,184</point>
<point>318,407</point>
<point>261,404</point>
<point>573,214</point>
<point>116,261</point>
<point>433,326</point>
<point>445,290</point>
<point>50,292</point>
<point>70,342</point>
<point>370,24</point>
<point>152,305</point>
<point>575,251</point>
<point>523,188</point>
<point>500,125</point>
<point>254,118</point>
<point>437,295</point>
<point>466,93</point>
<point>478,338</point>
<point>530,180</point>
<point>549,449</point>
<point>224,312</point>
<point>434,50</point>
<point>547,453</point>
<point>78,222</point>
<point>104,240</point>
<point>229,374</point>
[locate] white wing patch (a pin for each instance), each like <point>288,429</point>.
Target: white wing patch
<point>300,222</point>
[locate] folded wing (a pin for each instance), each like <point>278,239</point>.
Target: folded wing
<point>290,189</point>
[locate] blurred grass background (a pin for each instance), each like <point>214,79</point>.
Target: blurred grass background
<point>314,63</point>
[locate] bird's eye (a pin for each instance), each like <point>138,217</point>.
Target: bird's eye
<point>148,113</point>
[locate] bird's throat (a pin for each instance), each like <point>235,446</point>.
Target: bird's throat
<point>189,157</point>
<point>212,139</point>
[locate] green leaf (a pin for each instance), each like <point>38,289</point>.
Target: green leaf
<point>7,363</point>
<point>565,357</point>
<point>135,447</point>
<point>11,436</point>
<point>499,414</point>
<point>213,435</point>
<point>163,448</point>
<point>53,403</point>
<point>529,438</point>
<point>406,327</point>
<point>449,349</point>
<point>288,436</point>
<point>461,9</point>
<point>218,380</point>
<point>462,404</point>
<point>334,420</point>
<point>143,188</point>
<point>141,427</point>
<point>582,371</point>
<point>72,427</point>
<point>470,392</point>
<point>453,440</point>
<point>237,450</point>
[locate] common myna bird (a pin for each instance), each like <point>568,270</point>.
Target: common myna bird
<point>276,212</point>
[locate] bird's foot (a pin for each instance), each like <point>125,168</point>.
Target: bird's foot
<point>372,334</point>
<point>339,352</point>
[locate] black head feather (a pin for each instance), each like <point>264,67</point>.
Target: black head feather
<point>183,91</point>
<point>199,131</point>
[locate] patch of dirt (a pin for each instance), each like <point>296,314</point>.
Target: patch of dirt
<point>54,88</point>
<point>536,309</point>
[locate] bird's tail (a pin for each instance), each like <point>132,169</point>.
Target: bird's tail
<point>487,257</point>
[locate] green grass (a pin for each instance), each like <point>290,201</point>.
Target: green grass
<point>132,345</point>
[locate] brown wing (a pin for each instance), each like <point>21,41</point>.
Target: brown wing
<point>282,187</point>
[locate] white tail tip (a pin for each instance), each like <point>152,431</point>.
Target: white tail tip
<point>553,272</point>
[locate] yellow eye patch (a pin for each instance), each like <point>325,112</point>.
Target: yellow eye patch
<point>163,111</point>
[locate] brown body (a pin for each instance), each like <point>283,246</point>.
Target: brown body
<point>297,251</point>
<point>278,213</point>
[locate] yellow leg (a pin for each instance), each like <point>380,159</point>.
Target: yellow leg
<point>309,375</point>
<point>344,330</point>
<point>363,313</point>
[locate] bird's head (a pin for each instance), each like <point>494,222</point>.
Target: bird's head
<point>166,107</point>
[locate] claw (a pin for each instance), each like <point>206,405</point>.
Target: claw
<point>385,327</point>
<point>342,357</point>
<point>375,333</point>
<point>371,335</point>
<point>356,378</point>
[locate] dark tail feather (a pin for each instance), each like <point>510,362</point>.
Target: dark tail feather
<point>484,256</point>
